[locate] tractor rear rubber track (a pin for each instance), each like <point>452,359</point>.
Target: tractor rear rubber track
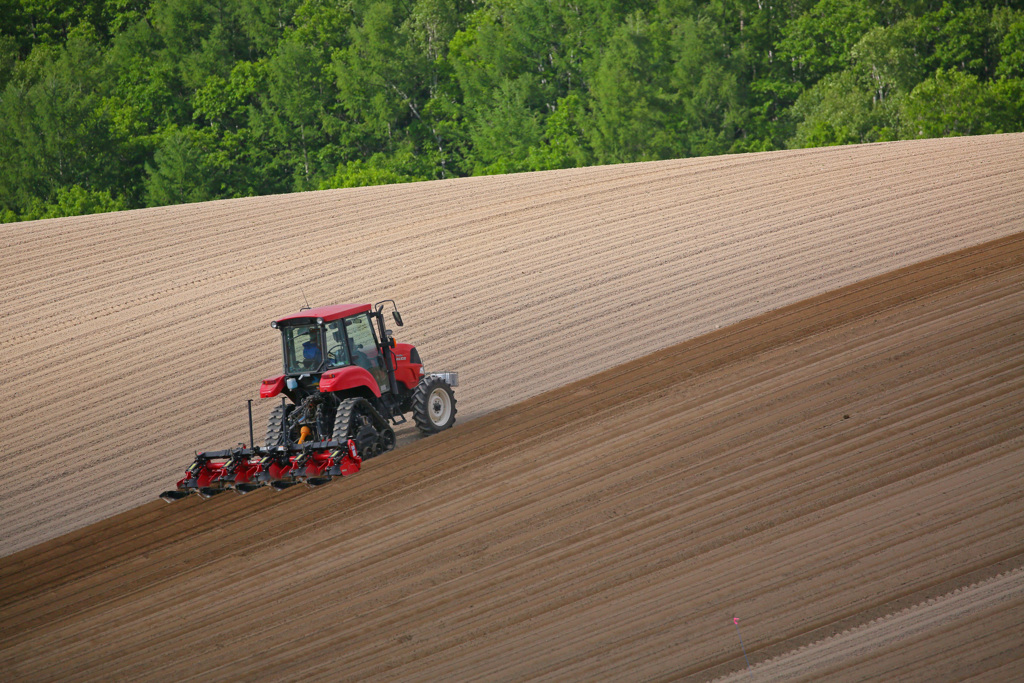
<point>357,419</point>
<point>277,425</point>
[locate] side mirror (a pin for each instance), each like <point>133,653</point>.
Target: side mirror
<point>398,317</point>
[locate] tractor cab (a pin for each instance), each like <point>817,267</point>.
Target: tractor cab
<point>313,348</point>
<point>336,348</point>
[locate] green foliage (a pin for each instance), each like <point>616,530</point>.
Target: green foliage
<point>888,60</point>
<point>54,127</point>
<point>632,108</point>
<point>192,165</point>
<point>705,89</point>
<point>836,111</point>
<point>47,22</point>
<point>963,39</point>
<point>563,144</point>
<point>952,103</point>
<point>75,201</point>
<point>818,42</point>
<point>1011,49</point>
<point>111,104</point>
<point>8,59</point>
<point>920,77</point>
<point>377,170</point>
<point>504,129</point>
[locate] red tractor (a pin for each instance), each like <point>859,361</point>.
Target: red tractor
<point>345,383</point>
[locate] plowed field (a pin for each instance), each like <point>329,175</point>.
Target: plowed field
<point>129,340</point>
<point>844,475</point>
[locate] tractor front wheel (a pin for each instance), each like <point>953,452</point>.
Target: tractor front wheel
<point>433,405</point>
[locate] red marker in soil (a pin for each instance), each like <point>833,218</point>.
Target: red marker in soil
<point>736,623</point>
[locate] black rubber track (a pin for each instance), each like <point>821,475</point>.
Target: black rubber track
<point>346,422</point>
<point>276,429</point>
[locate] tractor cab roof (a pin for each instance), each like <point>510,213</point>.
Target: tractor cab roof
<point>328,313</point>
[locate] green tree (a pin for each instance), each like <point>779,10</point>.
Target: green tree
<point>864,102</point>
<point>704,86</point>
<point>952,103</point>
<point>379,169</point>
<point>47,22</point>
<point>74,201</point>
<point>392,75</point>
<point>564,142</point>
<point>301,91</point>
<point>959,38</point>
<point>836,111</point>
<point>630,104</point>
<point>119,15</point>
<point>112,103</point>
<point>513,63</point>
<point>8,59</point>
<point>889,59</point>
<point>186,168</point>
<point>265,22</point>
<point>1011,51</point>
<point>54,128</point>
<point>818,42</point>
<point>504,129</point>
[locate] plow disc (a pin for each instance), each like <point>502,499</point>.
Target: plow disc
<point>244,470</point>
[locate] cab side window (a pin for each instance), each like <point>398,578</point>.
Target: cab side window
<point>362,342</point>
<point>337,349</point>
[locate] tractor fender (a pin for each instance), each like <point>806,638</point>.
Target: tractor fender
<point>348,378</point>
<point>272,386</point>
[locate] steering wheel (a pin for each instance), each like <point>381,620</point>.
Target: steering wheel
<point>334,353</point>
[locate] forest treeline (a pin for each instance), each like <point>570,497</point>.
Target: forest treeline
<point>114,104</point>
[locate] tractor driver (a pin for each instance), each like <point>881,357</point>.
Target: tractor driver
<point>311,349</point>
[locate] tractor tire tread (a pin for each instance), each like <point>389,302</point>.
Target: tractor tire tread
<point>420,409</point>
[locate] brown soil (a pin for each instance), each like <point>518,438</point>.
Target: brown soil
<point>908,646</point>
<point>808,470</point>
<point>129,340</point>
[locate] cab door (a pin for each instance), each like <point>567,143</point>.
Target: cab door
<point>365,348</point>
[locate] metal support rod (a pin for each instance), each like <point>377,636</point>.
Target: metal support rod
<point>736,623</point>
<point>252,444</point>
<point>284,424</point>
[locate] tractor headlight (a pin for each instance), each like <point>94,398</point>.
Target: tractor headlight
<point>319,321</point>
<point>274,324</point>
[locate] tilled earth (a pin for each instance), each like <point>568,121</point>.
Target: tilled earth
<point>843,475</point>
<point>129,340</point>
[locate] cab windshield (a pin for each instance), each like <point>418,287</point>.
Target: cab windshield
<point>311,348</point>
